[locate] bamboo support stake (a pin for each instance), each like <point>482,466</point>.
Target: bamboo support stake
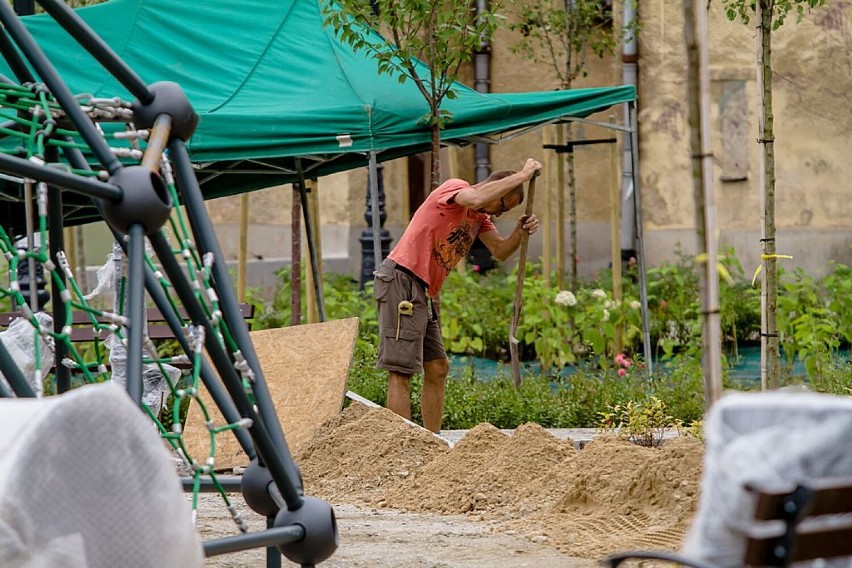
<point>519,286</point>
<point>310,289</point>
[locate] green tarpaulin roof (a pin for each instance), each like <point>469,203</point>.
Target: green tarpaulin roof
<point>270,84</point>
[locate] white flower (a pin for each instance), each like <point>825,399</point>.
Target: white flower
<point>598,293</point>
<point>635,304</point>
<point>605,316</point>
<point>609,304</point>
<point>566,298</point>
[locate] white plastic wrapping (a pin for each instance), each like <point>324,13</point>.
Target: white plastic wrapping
<point>155,390</point>
<point>19,340</point>
<point>154,386</point>
<point>86,483</point>
<point>772,438</point>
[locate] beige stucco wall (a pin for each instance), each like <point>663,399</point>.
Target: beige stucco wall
<point>812,63</point>
<point>813,76</point>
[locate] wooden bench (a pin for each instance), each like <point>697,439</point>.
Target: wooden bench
<point>83,331</point>
<point>803,533</point>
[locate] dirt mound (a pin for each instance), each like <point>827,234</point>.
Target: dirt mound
<point>616,496</point>
<point>355,454</point>
<point>613,495</point>
<point>482,472</point>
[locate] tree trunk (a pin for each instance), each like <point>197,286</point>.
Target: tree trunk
<point>698,98</point>
<point>769,342</point>
<point>435,172</point>
<point>572,209</point>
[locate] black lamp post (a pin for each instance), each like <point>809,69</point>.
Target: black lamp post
<point>368,261</point>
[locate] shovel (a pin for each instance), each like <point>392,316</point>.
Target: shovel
<point>519,287</point>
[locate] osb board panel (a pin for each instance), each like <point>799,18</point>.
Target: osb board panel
<point>305,367</point>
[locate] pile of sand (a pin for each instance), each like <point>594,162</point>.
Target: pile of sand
<point>611,496</point>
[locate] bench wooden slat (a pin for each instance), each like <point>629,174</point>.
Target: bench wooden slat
<point>809,544</point>
<point>831,496</point>
<point>86,332</point>
<point>811,537</point>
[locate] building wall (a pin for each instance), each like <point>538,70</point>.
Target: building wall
<point>812,63</point>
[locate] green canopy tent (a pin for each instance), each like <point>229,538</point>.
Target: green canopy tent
<point>277,92</point>
<point>271,84</point>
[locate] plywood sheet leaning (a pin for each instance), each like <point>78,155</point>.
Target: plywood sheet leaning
<point>306,368</point>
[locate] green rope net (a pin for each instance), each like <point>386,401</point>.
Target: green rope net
<point>31,121</point>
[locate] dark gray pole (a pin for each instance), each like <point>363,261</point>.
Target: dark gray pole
<point>640,242</point>
<point>367,239</point>
<point>56,240</point>
<point>24,7</point>
<point>214,386</point>
<point>269,537</point>
<point>13,374</point>
<point>75,183</point>
<point>280,464</point>
<point>135,310</point>
<point>205,238</point>
<point>103,53</point>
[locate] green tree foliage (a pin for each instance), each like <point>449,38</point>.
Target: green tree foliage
<point>560,33</point>
<point>744,9</point>
<point>443,34</point>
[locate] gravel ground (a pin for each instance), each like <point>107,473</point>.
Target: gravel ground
<point>385,538</point>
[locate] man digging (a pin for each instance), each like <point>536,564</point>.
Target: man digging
<point>439,236</point>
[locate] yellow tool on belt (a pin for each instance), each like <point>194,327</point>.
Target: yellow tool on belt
<point>405,308</point>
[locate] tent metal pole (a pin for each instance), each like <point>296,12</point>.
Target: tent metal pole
<point>374,199</point>
<point>309,233</point>
<point>640,242</point>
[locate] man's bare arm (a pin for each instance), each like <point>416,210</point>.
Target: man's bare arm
<point>502,248</point>
<point>482,193</point>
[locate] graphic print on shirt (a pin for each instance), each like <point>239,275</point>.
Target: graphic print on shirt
<point>448,252</point>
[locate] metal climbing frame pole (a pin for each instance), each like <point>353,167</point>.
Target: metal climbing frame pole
<point>205,237</point>
<point>135,310</point>
<point>91,42</point>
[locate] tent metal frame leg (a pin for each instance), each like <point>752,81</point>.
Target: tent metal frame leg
<point>303,528</point>
<point>640,240</point>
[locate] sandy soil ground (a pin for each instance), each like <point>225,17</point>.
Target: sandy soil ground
<point>384,538</point>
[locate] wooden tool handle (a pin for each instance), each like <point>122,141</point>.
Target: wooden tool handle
<point>519,285</point>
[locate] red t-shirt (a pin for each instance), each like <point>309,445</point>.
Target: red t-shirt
<point>439,235</point>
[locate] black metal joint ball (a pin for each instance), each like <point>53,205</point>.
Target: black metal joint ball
<point>169,99</point>
<point>146,200</point>
<point>321,539</point>
<point>255,489</point>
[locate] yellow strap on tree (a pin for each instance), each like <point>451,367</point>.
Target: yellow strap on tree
<point>760,266</point>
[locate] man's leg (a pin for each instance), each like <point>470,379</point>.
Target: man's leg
<point>432,399</point>
<point>399,394</point>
